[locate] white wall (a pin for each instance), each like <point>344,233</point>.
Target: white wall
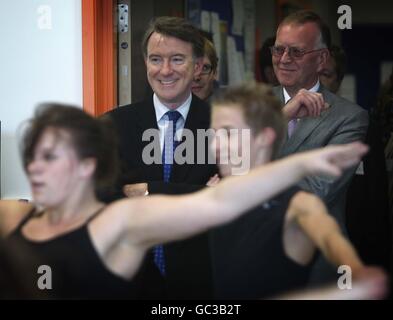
<point>36,64</point>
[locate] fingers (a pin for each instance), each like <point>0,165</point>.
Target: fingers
<point>331,160</point>
<point>310,104</point>
<point>345,156</point>
<point>373,280</point>
<point>349,154</point>
<point>213,181</point>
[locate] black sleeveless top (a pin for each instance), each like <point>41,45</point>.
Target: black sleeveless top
<point>77,270</point>
<point>248,255</point>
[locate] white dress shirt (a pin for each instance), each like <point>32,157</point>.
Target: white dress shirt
<point>315,88</point>
<point>162,119</point>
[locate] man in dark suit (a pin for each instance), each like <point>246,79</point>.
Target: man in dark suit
<point>316,116</point>
<point>131,122</point>
<point>173,50</point>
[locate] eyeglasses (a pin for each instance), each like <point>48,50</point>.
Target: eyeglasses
<point>293,52</point>
<point>206,69</point>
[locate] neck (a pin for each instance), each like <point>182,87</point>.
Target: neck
<point>174,105</point>
<point>75,208</point>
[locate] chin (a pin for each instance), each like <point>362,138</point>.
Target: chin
<point>286,82</point>
<point>39,202</point>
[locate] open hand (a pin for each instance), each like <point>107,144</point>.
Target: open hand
<point>333,159</point>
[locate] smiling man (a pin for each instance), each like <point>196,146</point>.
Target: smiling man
<point>316,116</point>
<point>173,50</point>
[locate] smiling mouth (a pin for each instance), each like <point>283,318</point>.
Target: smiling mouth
<point>167,82</point>
<point>286,70</point>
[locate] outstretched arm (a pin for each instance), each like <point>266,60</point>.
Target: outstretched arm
<point>308,216</point>
<point>159,219</point>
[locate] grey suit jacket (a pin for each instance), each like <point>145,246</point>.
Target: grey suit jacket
<point>343,122</point>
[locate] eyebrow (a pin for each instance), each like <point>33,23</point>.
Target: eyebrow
<point>292,46</point>
<point>170,55</point>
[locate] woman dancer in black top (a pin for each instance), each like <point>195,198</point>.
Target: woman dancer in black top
<point>95,250</point>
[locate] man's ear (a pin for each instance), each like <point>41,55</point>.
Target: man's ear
<point>198,67</point>
<point>88,167</point>
<point>323,58</point>
<point>266,137</point>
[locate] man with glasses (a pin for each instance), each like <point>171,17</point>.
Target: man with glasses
<point>316,117</point>
<point>205,82</point>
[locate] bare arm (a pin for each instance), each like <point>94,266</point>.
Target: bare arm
<point>159,219</point>
<point>311,215</point>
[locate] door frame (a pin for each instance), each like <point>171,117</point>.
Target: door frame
<point>99,55</point>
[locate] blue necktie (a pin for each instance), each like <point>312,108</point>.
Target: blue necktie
<point>169,144</point>
<point>167,162</point>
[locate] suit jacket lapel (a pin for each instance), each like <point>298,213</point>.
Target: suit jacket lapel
<point>304,128</point>
<point>278,91</point>
<point>196,119</point>
<point>146,119</point>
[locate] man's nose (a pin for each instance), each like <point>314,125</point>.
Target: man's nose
<point>166,67</point>
<point>286,56</point>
